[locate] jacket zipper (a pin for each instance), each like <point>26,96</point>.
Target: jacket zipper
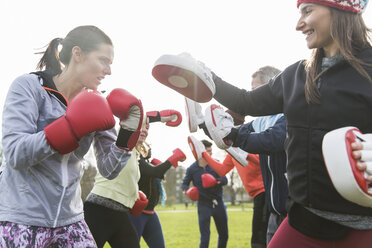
<point>309,175</point>
<point>267,126</point>
<point>271,186</point>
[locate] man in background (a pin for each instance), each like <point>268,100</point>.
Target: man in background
<point>210,203</point>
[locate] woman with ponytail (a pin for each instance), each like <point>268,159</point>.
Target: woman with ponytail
<point>48,127</point>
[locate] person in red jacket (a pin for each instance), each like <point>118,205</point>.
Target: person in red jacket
<point>252,180</point>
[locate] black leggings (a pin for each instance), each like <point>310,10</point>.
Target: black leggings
<point>110,226</point>
<point>259,221</point>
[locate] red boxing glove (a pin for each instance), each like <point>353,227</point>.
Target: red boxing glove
<point>156,161</point>
<point>86,113</point>
<point>193,193</point>
<point>208,180</point>
<point>177,156</point>
<point>139,205</point>
<point>129,110</point>
<point>171,117</point>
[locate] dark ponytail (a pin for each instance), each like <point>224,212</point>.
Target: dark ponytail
<point>88,38</point>
<point>50,59</point>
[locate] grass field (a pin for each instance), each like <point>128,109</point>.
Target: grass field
<point>180,227</point>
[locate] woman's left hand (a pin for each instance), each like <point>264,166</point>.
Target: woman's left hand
<point>362,153</point>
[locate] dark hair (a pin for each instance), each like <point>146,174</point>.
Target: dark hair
<point>88,38</point>
<point>352,35</point>
<point>206,143</point>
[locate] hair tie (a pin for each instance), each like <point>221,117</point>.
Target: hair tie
<point>59,40</point>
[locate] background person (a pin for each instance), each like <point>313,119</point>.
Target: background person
<point>147,224</point>
<point>87,179</point>
<point>210,203</point>
<point>265,136</point>
<point>111,202</point>
<point>249,172</point>
<point>251,177</point>
<point>108,204</point>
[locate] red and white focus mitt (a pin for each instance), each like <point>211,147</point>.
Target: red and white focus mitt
<point>193,114</point>
<point>193,193</point>
<point>349,182</point>
<point>196,146</point>
<point>185,75</point>
<point>219,125</point>
<point>140,204</point>
<point>171,117</point>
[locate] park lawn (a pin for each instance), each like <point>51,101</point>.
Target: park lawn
<point>181,229</point>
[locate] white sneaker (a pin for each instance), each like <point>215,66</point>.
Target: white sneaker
<point>238,154</point>
<point>194,114</point>
<point>185,75</point>
<point>219,125</point>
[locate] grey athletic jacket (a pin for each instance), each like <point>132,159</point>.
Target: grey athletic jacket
<point>39,186</point>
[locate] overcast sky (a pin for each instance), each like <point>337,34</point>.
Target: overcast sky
<point>233,38</point>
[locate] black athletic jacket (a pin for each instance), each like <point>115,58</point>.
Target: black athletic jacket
<point>346,100</point>
<point>148,184</point>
